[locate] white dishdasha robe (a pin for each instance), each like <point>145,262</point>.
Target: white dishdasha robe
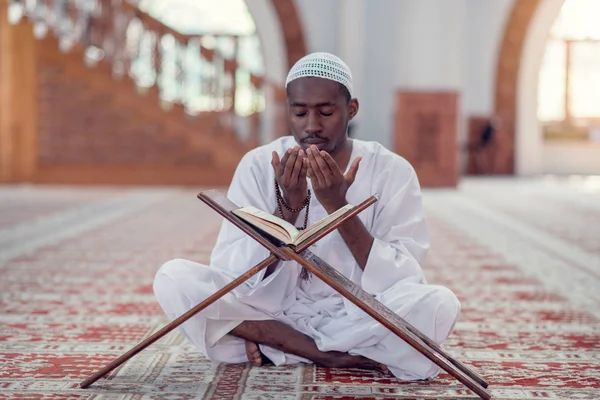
<point>393,273</point>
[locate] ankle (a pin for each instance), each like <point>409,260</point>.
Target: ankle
<point>331,359</point>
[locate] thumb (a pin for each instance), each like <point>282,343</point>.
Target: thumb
<point>274,160</point>
<point>351,175</point>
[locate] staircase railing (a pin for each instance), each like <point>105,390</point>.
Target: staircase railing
<point>182,68</point>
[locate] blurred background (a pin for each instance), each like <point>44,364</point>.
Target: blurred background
<point>176,91</point>
<point>114,114</point>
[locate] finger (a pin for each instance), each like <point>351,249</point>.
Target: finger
<point>325,170</point>
<point>297,168</point>
<point>310,172</point>
<point>284,159</point>
<point>333,167</point>
<point>351,175</point>
<point>317,174</point>
<point>304,170</point>
<point>288,175</point>
<point>274,160</point>
<point>289,164</point>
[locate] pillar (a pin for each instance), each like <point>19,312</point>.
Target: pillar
<point>18,111</point>
<point>351,49</point>
<point>428,85</point>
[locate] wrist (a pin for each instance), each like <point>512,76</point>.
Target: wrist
<point>334,205</point>
<point>296,202</point>
<point>289,213</point>
<point>292,201</point>
<point>296,198</point>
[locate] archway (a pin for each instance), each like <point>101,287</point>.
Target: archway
<point>292,30</point>
<point>521,144</point>
<point>280,31</point>
<point>507,77</point>
<point>528,134</point>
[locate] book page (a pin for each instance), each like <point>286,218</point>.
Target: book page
<point>267,218</point>
<point>322,223</point>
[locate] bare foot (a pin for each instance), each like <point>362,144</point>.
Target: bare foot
<point>349,361</point>
<point>285,338</point>
<point>253,354</point>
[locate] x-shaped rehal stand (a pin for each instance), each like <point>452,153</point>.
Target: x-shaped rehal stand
<point>327,274</point>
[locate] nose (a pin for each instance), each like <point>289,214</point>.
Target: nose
<point>313,123</point>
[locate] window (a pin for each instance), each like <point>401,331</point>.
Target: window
<point>220,24</point>
<point>569,80</point>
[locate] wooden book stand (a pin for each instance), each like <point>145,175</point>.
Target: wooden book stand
<point>327,274</point>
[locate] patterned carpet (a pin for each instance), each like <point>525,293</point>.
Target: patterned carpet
<point>77,265</point>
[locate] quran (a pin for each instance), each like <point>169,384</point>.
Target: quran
<point>282,230</point>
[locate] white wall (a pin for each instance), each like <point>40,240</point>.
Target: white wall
<point>430,44</point>
<point>352,46</point>
<point>485,24</point>
<point>379,66</point>
<point>320,19</point>
<point>410,44</point>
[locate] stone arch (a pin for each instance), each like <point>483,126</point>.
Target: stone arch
<point>529,141</point>
<point>519,140</point>
<point>293,32</point>
<point>280,31</point>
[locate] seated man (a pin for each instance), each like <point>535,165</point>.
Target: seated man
<point>284,315</point>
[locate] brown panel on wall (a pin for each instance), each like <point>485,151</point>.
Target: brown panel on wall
<point>64,122</point>
<point>426,135</point>
<point>91,124</point>
<point>479,161</point>
<point>507,75</point>
<point>5,137</point>
<point>292,30</point>
<point>17,101</point>
<point>136,174</point>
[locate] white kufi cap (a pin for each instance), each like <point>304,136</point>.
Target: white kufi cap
<point>322,65</point>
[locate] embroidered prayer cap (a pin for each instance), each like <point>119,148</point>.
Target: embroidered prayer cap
<point>322,65</point>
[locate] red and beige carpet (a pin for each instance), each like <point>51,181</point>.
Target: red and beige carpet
<point>77,264</point>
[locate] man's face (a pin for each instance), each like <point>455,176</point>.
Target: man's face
<point>318,113</point>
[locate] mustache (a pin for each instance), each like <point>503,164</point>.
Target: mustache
<point>314,136</point>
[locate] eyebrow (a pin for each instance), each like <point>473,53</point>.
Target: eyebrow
<point>324,104</point>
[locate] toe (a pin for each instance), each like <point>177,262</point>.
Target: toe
<point>384,369</point>
<point>257,360</point>
<point>254,357</point>
<point>253,354</point>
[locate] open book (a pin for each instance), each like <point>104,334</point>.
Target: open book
<point>282,230</point>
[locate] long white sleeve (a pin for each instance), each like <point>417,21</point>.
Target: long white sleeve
<point>235,252</point>
<point>400,231</point>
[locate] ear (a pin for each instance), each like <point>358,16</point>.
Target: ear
<point>352,108</point>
